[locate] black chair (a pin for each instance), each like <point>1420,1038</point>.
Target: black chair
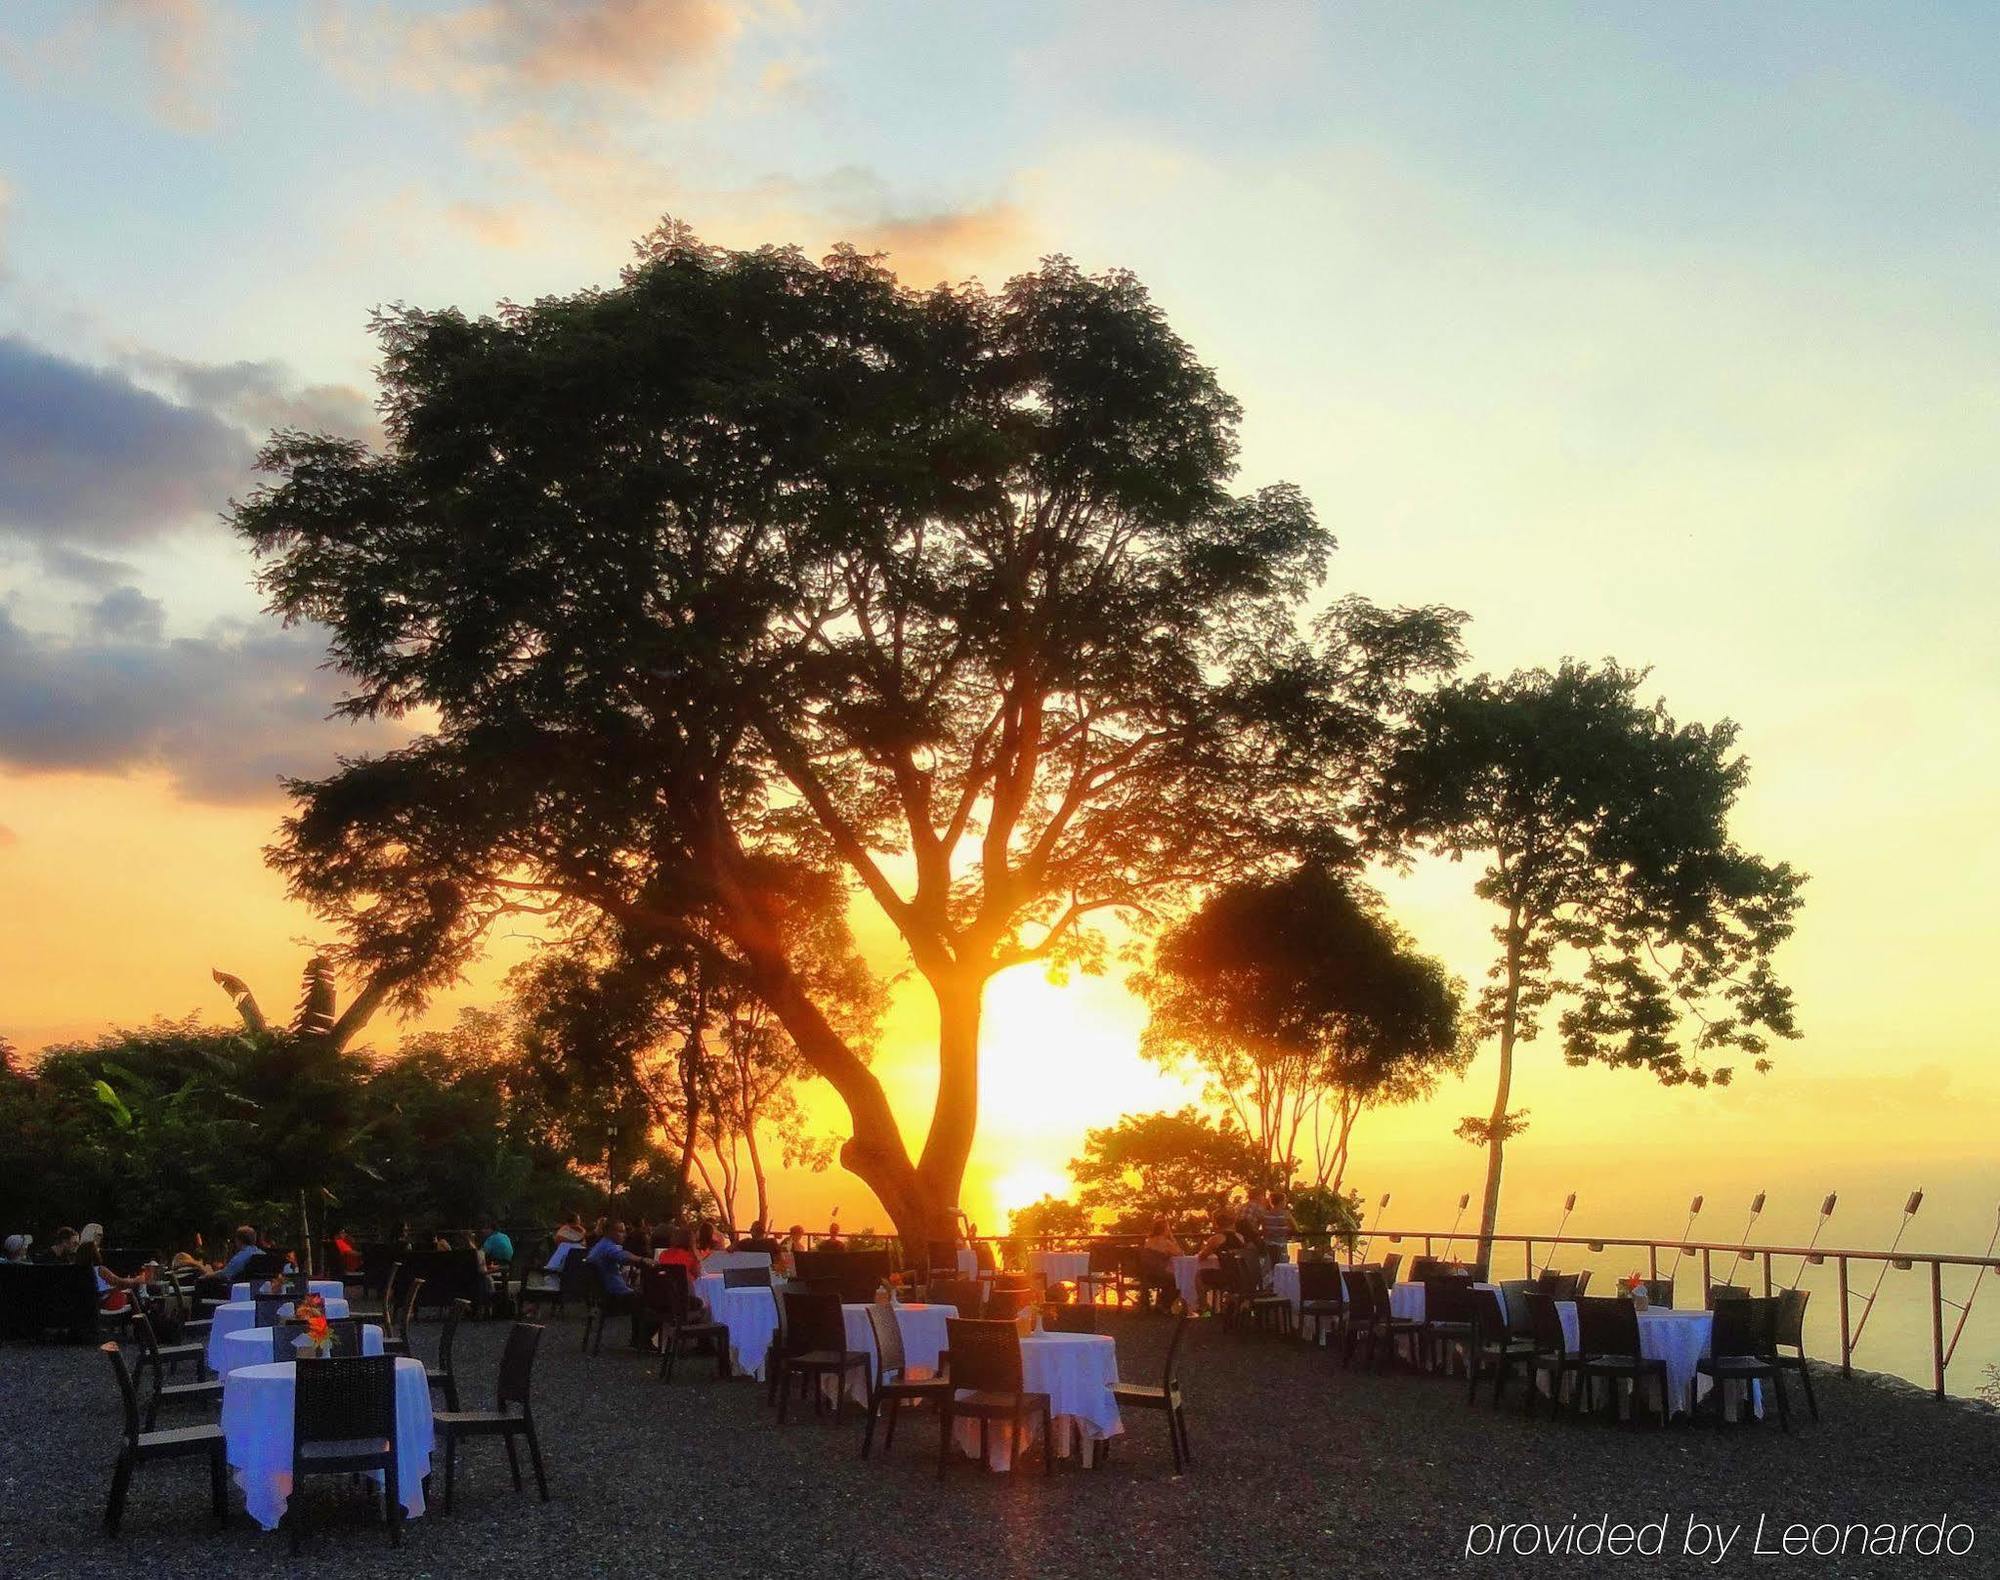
<point>1743,1348</point>
<point>396,1325</point>
<point>137,1447</point>
<point>816,1348</point>
<point>1247,1294</point>
<point>1659,1292</point>
<point>1495,1346</point>
<point>982,1257</point>
<point>442,1375</point>
<point>668,1299</point>
<point>205,1392</point>
<point>1608,1347</point>
<point>1004,1305</point>
<point>1448,1308</point>
<point>517,1368</point>
<point>343,1423</point>
<point>271,1309</point>
<point>746,1278</point>
<point>1559,1286</point>
<point>379,1314</point>
<point>962,1294</point>
<point>1721,1292</point>
<point>1105,1272</point>
<point>1068,1317</point>
<point>986,1385</point>
<point>891,1383</point>
<point>1552,1353</point>
<point>1391,1264</point>
<point>570,1282</point>
<point>1322,1298</point>
<point>1369,1317</point>
<point>1788,1348</point>
<point>1165,1398</point>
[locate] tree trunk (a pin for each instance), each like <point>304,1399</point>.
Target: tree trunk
<point>757,1175</point>
<point>940,1174</point>
<point>1489,1210</point>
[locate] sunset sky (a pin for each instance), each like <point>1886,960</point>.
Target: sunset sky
<point>1659,332</point>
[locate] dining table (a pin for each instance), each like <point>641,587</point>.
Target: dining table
<point>1077,1371</point>
<point>252,1347</point>
<point>233,1315</point>
<point>325,1288</point>
<point>257,1435</point>
<point>922,1326</point>
<point>1059,1267</point>
<point>1678,1337</point>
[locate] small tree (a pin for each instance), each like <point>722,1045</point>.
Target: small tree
<point>1604,830</point>
<point>1302,1005</point>
<point>1182,1166</point>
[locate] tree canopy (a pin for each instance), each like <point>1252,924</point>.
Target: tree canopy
<point>750,564</point>
<point>1182,1166</point>
<point>1302,1004</point>
<point>1603,827</point>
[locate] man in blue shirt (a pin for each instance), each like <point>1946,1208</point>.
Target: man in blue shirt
<point>497,1248</point>
<point>246,1251</point>
<point>606,1256</point>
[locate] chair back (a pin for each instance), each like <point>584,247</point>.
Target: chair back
<point>1069,1318</point>
<point>1390,1265</point>
<point>1545,1323</point>
<point>263,1267</point>
<point>1367,1294</point>
<point>1660,1293</point>
<point>1790,1326</point>
<point>1607,1326</point>
<point>941,1257</point>
<point>1448,1300</point>
<point>149,1342</point>
<point>665,1291</point>
<point>271,1310</point>
<point>1320,1281</point>
<point>1105,1258</point>
<point>889,1357</point>
<point>1746,1327</point>
<point>1513,1295</point>
<point>401,1318</point>
<point>813,1322</point>
<point>1582,1281</point>
<point>1718,1293</point>
<point>1424,1268</point>
<point>460,1310</point>
<point>962,1293</point>
<point>746,1278</point>
<point>1171,1371</point>
<point>517,1364</point>
<point>574,1279</point>
<point>1489,1316</point>
<point>344,1401</point>
<point>982,1255</point>
<point>985,1355</point>
<point>128,1396</point>
<point>1559,1286</point>
<point>1004,1305</point>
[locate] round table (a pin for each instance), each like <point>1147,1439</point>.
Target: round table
<point>252,1347</point>
<point>708,1290</point>
<point>923,1330</point>
<point>1059,1267</point>
<point>257,1430</point>
<point>1076,1371</point>
<point>750,1312</point>
<point>325,1288</point>
<point>239,1314</point>
<point>1187,1278</point>
<point>968,1262</point>
<point>1680,1338</point>
<point>1285,1281</point>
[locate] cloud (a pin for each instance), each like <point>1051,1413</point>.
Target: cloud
<point>89,458</point>
<point>223,714</point>
<point>261,396</point>
<point>8,837</point>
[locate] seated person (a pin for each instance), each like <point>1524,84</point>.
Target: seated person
<point>1156,1267</point>
<point>679,1252</point>
<point>348,1253</point>
<point>17,1247</point>
<point>235,1270</point>
<point>833,1241</point>
<point>570,1230</point>
<point>608,1258</point>
<point>708,1240</point>
<point>497,1247</point>
<point>758,1240</point>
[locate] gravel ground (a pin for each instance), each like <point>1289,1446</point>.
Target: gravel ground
<point>1302,1468</point>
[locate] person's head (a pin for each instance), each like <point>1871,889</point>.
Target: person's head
<point>88,1253</point>
<point>1159,1225</point>
<point>245,1235</point>
<point>17,1247</point>
<point>796,1234</point>
<point>833,1231</point>
<point>614,1228</point>
<point>92,1234</point>
<point>64,1243</point>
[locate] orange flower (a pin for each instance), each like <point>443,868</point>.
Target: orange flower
<point>316,1329</point>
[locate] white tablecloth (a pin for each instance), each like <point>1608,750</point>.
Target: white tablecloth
<point>1406,1301</point>
<point>1076,1371</point>
<point>560,1255</point>
<point>252,1347</point>
<point>1285,1281</point>
<point>923,1336</point>
<point>325,1288</point>
<point>1680,1338</point>
<point>1187,1278</point>
<point>238,1314</point>
<point>257,1424</point>
<point>968,1262</point>
<point>1059,1267</point>
<point>751,1315</point>
<point>708,1290</point>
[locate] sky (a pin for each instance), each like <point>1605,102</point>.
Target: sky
<point>1658,332</point>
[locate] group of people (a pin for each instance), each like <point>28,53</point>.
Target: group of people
<point>1259,1224</point>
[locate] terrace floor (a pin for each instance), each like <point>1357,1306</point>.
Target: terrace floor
<point>1301,1468</point>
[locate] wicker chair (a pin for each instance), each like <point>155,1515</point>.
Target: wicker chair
<point>441,1376</point>
<point>1721,1292</point>
<point>1495,1346</point>
<point>1559,1286</point>
<point>746,1278</point>
<point>1743,1348</point>
<point>137,1447</point>
<point>344,1334</point>
<point>1608,1347</point>
<point>205,1392</point>
<point>1659,1293</point>
<point>517,1369</point>
<point>1369,1317</point>
<point>1391,1264</point>
<point>1165,1398</point>
<point>816,1347</point>
<point>668,1298</point>
<point>1789,1342</point>
<point>962,1294</point>
<point>891,1383</point>
<point>271,1310</point>
<point>1448,1311</point>
<point>343,1422</point>
<point>1247,1294</point>
<point>1004,1305</point>
<point>1068,1317</point>
<point>396,1327</point>
<point>1552,1353</point>
<point>1322,1298</point>
<point>986,1385</point>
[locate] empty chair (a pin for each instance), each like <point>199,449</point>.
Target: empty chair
<point>1166,1398</point>
<point>986,1385</point>
<point>963,1294</point>
<point>1742,1348</point>
<point>1788,1347</point>
<point>1369,1317</point>
<point>1322,1297</point>
<point>1068,1317</point>
<point>1559,1286</point>
<point>271,1309</point>
<point>396,1326</point>
<point>138,1447</point>
<point>1720,1292</point>
<point>343,1422</point>
<point>207,1391</point>
<point>890,1383</point>
<point>746,1278</point>
<point>343,1335</point>
<point>665,1294</point>
<point>982,1257</point>
<point>816,1347</point>
<point>512,1414</point>
<point>1251,1296</point>
<point>378,1313</point>
<point>1608,1347</point>
<point>1551,1354</point>
<point>441,1375</point>
<point>1004,1305</point>
<point>1494,1346</point>
<point>1659,1292</point>
<point>1448,1310</point>
<point>1391,1264</point>
<point>1105,1273</point>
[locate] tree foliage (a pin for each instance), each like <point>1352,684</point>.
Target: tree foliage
<point>1301,1004</point>
<point>751,564</point>
<point>1603,829</point>
<point>1183,1166</point>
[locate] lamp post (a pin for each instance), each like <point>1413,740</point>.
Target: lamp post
<point>610,1168</point>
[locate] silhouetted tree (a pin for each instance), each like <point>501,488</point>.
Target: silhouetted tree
<point>750,562</point>
<point>1603,826</point>
<point>1181,1165</point>
<point>1302,1004</point>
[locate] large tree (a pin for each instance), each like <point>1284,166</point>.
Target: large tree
<point>1603,827</point>
<point>750,562</point>
<point>1182,1166</point>
<point>1302,1004</point>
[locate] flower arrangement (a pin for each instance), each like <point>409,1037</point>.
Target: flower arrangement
<point>1636,1289</point>
<point>317,1339</point>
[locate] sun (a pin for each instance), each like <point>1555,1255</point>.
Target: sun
<point>1019,1187</point>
